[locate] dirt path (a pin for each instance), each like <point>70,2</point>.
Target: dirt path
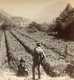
<point>11,76</point>
<point>2,50</point>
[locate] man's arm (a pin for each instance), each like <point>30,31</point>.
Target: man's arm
<point>43,54</point>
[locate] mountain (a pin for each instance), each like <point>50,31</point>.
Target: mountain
<point>65,23</point>
<point>8,20</point>
<point>21,21</point>
<point>5,17</point>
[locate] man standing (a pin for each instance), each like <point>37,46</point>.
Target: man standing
<point>37,59</point>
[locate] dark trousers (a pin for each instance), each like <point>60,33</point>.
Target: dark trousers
<point>38,69</point>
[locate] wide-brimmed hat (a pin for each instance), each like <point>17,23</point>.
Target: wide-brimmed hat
<point>38,44</point>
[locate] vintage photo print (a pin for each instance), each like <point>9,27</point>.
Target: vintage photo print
<point>36,39</point>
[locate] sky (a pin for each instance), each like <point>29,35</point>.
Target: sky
<point>38,10</point>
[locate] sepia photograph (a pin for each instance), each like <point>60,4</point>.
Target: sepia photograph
<point>36,39</point>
